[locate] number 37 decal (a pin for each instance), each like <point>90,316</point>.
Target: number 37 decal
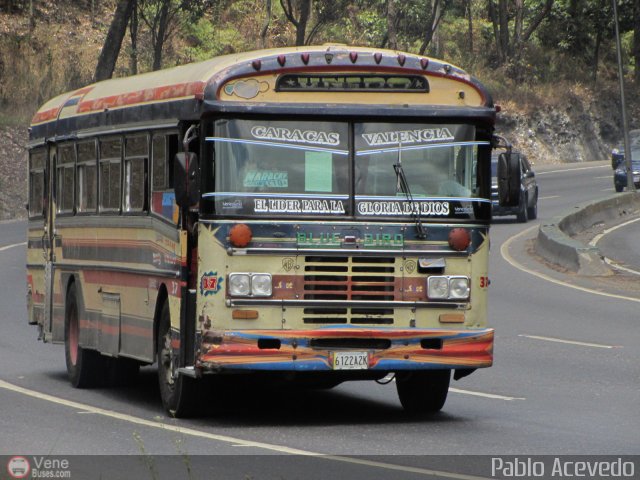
<point>484,282</point>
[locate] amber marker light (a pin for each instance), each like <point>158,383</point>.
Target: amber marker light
<point>240,235</point>
<point>459,239</point>
<point>451,318</point>
<point>244,314</point>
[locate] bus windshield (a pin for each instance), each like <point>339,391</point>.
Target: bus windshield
<point>303,167</point>
<point>438,160</point>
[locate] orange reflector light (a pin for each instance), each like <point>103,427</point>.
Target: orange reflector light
<point>459,239</point>
<point>240,235</point>
<point>452,318</point>
<point>244,314</point>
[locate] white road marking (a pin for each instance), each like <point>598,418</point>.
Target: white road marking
<point>549,197</point>
<point>608,261</point>
<point>606,176</point>
<point>570,342</point>
<point>571,170</point>
<point>613,264</point>
<point>7,247</point>
<point>227,439</point>
<point>597,238</point>
<point>485,395</point>
<point>504,251</point>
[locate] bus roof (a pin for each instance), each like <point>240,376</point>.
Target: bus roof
<point>249,80</point>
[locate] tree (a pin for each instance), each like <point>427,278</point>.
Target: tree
<point>298,13</point>
<point>158,15</point>
<point>392,24</point>
<point>113,41</point>
<point>636,40</point>
<point>436,12</point>
<point>265,25</point>
<point>133,35</point>
<point>509,46</point>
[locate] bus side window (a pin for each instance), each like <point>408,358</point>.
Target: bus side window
<point>110,158</point>
<point>164,149</point>
<point>136,153</point>
<point>65,184</point>
<point>87,179</point>
<point>37,160</point>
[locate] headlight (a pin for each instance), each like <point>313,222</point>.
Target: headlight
<point>239,284</point>
<point>261,285</point>
<point>438,287</point>
<point>448,288</point>
<point>250,285</point>
<point>459,287</point>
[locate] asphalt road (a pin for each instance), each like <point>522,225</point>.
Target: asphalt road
<point>565,382</point>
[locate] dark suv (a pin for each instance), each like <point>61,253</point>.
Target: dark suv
<point>619,167</point>
<point>527,207</point>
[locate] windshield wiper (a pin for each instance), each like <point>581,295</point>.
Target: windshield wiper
<point>403,185</point>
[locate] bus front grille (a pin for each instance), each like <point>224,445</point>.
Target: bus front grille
<point>350,279</point>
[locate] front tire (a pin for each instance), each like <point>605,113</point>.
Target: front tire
<point>423,392</point>
<point>179,393</point>
<point>85,368</point>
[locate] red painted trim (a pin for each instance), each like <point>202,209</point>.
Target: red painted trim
<point>46,115</point>
<point>156,94</point>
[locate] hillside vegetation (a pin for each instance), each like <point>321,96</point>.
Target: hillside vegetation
<point>550,65</point>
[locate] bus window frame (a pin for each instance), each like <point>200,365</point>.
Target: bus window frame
<point>168,174</point>
<point>39,213</point>
<point>111,161</point>
<point>125,181</point>
<point>85,163</point>
<point>61,187</point>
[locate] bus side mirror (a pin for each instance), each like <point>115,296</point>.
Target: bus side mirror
<point>509,179</point>
<point>186,179</point>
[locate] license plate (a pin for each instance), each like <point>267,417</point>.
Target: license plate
<point>636,178</point>
<point>350,360</point>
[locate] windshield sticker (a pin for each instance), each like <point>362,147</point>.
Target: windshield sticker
<point>318,174</point>
<point>280,205</point>
<point>258,179</point>
<point>405,137</point>
<point>397,208</point>
<point>235,204</point>
<point>296,135</point>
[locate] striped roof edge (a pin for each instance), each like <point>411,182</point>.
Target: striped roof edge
<point>197,82</point>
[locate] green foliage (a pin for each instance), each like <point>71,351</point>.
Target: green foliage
<point>58,48</point>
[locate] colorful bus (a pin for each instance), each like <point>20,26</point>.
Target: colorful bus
<point>314,214</point>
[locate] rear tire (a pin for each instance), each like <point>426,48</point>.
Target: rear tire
<point>619,188</point>
<point>179,393</point>
<point>85,368</point>
<point>532,212</point>
<point>423,392</point>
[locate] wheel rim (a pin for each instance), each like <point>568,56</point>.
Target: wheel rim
<point>73,336</point>
<point>168,365</point>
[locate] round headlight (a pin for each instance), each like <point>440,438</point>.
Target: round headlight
<point>438,287</point>
<point>459,287</point>
<point>261,285</point>
<point>239,284</point>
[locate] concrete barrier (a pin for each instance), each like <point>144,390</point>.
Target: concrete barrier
<point>555,243</point>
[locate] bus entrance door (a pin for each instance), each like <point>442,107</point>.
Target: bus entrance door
<point>48,244</point>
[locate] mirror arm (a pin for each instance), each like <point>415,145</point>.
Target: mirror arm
<point>498,141</point>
